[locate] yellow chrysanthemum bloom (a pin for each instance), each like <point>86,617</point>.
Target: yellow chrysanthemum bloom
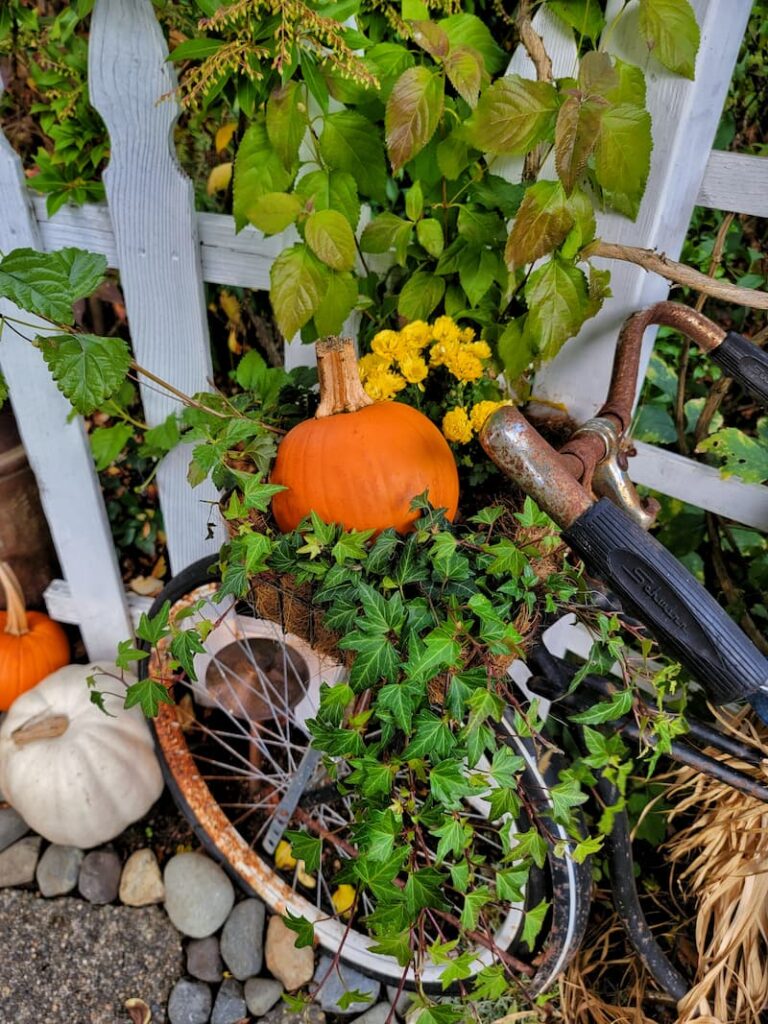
<point>465,366</point>
<point>467,334</point>
<point>481,349</point>
<point>372,363</point>
<point>456,426</point>
<point>445,329</point>
<point>481,411</point>
<point>414,369</point>
<point>442,352</point>
<point>416,335</point>
<point>383,385</point>
<point>386,343</point>
<point>343,898</point>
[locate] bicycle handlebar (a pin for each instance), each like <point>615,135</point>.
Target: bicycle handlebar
<point>745,362</point>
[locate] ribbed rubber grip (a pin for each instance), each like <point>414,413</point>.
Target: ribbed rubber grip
<point>745,362</point>
<point>687,621</point>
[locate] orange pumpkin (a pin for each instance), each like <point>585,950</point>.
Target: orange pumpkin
<point>31,645</point>
<point>358,462</point>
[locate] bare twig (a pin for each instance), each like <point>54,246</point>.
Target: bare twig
<point>533,43</point>
<point>680,273</point>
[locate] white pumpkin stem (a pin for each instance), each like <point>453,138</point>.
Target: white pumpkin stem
<point>340,387</point>
<point>45,726</point>
<point>16,614</point>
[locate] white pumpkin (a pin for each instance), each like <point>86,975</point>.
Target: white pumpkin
<point>76,775</point>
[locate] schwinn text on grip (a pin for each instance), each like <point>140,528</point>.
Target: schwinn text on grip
<point>686,620</point>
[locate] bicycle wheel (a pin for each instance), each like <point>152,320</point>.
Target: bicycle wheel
<point>237,756</point>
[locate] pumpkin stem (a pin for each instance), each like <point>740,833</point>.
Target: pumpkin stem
<point>44,726</point>
<point>16,614</point>
<point>340,387</point>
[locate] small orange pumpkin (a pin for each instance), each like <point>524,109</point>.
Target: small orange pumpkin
<point>359,462</point>
<point>31,645</point>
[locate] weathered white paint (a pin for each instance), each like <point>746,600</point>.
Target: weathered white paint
<point>685,117</point>
<point>62,605</point>
<point>735,182</point>
<point>151,204</point>
<point>58,449</point>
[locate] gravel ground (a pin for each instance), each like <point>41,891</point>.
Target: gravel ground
<point>65,961</point>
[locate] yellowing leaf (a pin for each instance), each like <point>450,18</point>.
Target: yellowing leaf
<point>297,286</point>
<point>258,171</point>
<point>307,880</point>
<point>513,115</point>
<point>219,178</point>
<point>224,135</point>
<point>623,156</point>
<point>343,898</point>
<point>273,212</point>
<point>231,306</point>
<point>413,113</point>
<point>541,224</point>
<point>672,33</point>
<point>284,859</point>
<point>287,121</point>
<point>330,237</point>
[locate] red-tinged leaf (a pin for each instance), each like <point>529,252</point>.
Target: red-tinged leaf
<point>541,224</point>
<point>432,38</point>
<point>464,67</point>
<point>597,75</point>
<point>576,132</point>
<point>413,113</point>
<point>513,115</point>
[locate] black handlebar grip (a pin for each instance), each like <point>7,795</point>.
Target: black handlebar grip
<point>686,620</point>
<point>745,362</point>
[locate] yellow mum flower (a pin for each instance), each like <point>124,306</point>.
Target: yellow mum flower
<point>386,343</point>
<point>467,334</point>
<point>481,349</point>
<point>481,411</point>
<point>465,366</point>
<point>343,898</point>
<point>442,352</point>
<point>383,385</point>
<point>371,364</point>
<point>416,335</point>
<point>445,329</point>
<point>413,369</point>
<point>456,426</point>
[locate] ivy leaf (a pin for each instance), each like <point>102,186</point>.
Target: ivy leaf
<point>671,33</point>
<point>148,694</point>
<point>557,300</point>
<point>464,67</point>
<point>508,559</point>
<point>87,369</point>
<point>490,983</point>
<point>397,702</point>
<point>50,283</point>
<point>440,650</point>
<point>258,171</point>
<point>348,144</point>
<point>376,660</point>
<point>576,132</point>
<point>623,156</point>
<point>431,737</point>
<point>448,785</point>
<point>513,115</point>
<point>534,919</point>
<point>286,122</point>
<point>413,113</point>
<point>127,654</point>
<point>510,883</point>
<point>455,836</point>
<point>541,224</point>
<point>184,646</point>
<point>742,455</point>
<point>305,930</point>
<point>506,767</point>
<point>297,287</point>
<point>108,442</point>
<point>606,711</point>
<point>351,545</point>
<point>398,946</point>
<point>424,889</point>
<point>473,903</point>
<point>420,295</point>
<point>307,848</point>
<point>153,629</point>
<point>330,190</point>
<point>352,997</point>
<point>330,237</point>
<point>274,211</point>
<point>565,796</point>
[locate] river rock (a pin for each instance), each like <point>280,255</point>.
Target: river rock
<point>261,994</point>
<point>204,959</point>
<point>12,827</point>
<point>190,1002</point>
<point>18,862</point>
<point>198,895</point>
<point>377,1014</point>
<point>58,870</point>
<point>338,981</point>
<point>404,1000</point>
<point>292,966</point>
<point>229,1007</point>
<point>141,883</point>
<point>99,876</point>
<point>242,940</point>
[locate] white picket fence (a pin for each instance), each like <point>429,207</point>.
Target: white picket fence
<point>165,251</point>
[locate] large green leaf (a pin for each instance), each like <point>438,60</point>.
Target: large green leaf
<point>337,304</point>
<point>557,300</point>
<point>331,190</point>
<point>672,33</point>
<point>274,211</point>
<point>585,16</point>
<point>541,224</point>
<point>513,115</point>
<point>108,442</point>
<point>258,171</point>
<point>350,143</point>
<point>413,113</point>
<point>623,156</point>
<point>742,455</point>
<point>469,30</point>
<point>50,283</point>
<point>88,369</point>
<point>420,295</point>
<point>297,285</point>
<point>287,121</point>
<point>329,236</point>
<point>477,271</point>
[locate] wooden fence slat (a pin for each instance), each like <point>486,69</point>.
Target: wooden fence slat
<point>58,450</point>
<point>736,182</point>
<point>685,117</point>
<point>151,205</point>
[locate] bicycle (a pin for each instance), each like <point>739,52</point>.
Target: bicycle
<point>248,769</point>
